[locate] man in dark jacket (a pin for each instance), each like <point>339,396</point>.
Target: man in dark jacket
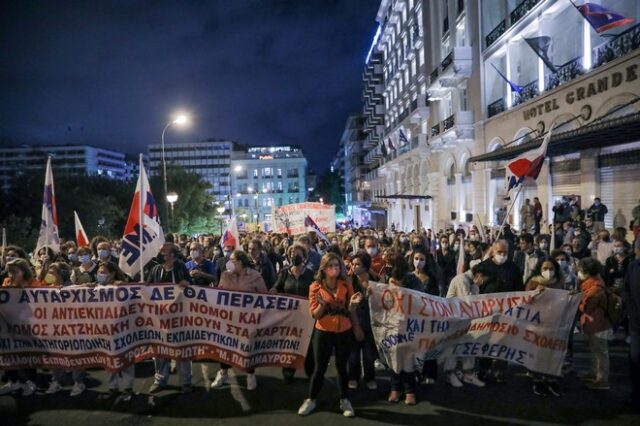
<point>527,256</point>
<point>597,212</point>
<point>632,302</point>
<point>505,275</point>
<point>262,263</point>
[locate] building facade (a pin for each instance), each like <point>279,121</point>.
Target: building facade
<point>67,160</point>
<point>357,196</point>
<point>264,178</point>
<point>211,159</point>
<point>452,122</point>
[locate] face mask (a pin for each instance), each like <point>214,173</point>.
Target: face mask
<point>195,254</point>
<point>618,250</point>
<point>114,253</point>
<point>419,264</point>
<point>297,260</point>
<point>563,264</point>
<point>73,257</point>
<point>217,252</point>
<point>548,274</point>
<point>104,253</point>
<point>456,247</point>
<point>230,266</point>
<point>582,276</point>
<point>102,278</point>
<point>372,251</point>
<point>334,242</point>
<point>544,246</point>
<point>10,258</point>
<point>227,253</point>
<point>577,233</point>
<point>50,278</point>
<point>85,258</point>
<point>499,259</point>
<point>568,252</point>
<point>444,246</point>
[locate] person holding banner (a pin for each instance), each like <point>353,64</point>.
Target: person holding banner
<point>20,275</point>
<point>333,305</point>
<point>171,270</point>
<point>239,276</point>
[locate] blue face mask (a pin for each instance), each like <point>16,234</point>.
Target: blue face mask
<point>103,254</point>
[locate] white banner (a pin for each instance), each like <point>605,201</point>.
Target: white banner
<point>112,327</point>
<point>290,218</point>
<point>526,328</point>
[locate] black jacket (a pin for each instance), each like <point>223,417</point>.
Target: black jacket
<point>503,278</point>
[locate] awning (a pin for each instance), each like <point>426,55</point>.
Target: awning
<point>404,197</point>
<point>598,134</point>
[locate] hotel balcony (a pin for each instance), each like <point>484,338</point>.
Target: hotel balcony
<point>457,127</point>
<point>419,109</point>
<point>453,70</point>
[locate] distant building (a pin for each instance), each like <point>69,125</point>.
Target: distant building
<point>67,160</point>
<point>264,178</point>
<point>210,159</point>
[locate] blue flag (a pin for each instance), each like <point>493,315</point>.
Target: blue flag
<point>514,87</point>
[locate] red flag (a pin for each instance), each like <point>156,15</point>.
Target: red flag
<point>81,236</point>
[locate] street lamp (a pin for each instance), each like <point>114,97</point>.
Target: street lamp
<point>180,120</point>
<point>220,210</point>
<point>237,169</point>
<point>172,197</point>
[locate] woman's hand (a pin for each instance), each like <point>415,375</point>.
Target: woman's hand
<point>355,301</point>
<point>319,299</point>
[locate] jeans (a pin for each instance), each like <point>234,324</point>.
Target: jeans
<point>403,382</point>
<point>366,348</point>
<point>123,379</point>
<point>599,356</point>
<point>163,370</point>
<point>324,344</point>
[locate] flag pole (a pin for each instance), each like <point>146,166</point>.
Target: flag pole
<point>504,221</point>
<point>4,244</point>
<point>141,218</point>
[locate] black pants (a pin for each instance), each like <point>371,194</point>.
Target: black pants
<point>226,367</point>
<point>403,382</point>
<point>324,343</point>
<point>367,348</point>
<point>430,369</point>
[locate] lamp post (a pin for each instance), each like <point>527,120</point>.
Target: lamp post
<point>220,210</point>
<point>172,197</point>
<point>237,169</point>
<point>257,215</point>
<point>180,120</point>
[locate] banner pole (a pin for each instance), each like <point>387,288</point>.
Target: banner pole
<point>141,218</point>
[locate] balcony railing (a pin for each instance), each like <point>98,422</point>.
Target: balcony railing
<point>529,91</point>
<point>496,107</point>
<point>522,9</point>
<point>495,33</point>
<point>435,130</point>
<point>618,47</point>
<point>445,25</point>
<point>460,6</point>
<point>448,122</point>
<point>434,75</point>
<point>565,73</point>
<point>447,61</point>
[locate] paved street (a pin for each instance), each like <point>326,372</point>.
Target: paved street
<point>275,403</point>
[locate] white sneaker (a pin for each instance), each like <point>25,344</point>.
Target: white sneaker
<point>307,407</point>
<point>77,389</point>
<point>454,380</point>
<point>29,388</point>
<point>472,379</point>
<point>372,385</point>
<point>347,409</point>
<point>252,382</point>
<point>10,387</point>
<point>353,384</point>
<point>378,365</point>
<point>221,379</point>
<point>54,387</point>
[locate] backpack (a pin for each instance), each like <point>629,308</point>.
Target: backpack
<point>613,308</point>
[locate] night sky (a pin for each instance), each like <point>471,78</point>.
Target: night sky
<point>111,73</point>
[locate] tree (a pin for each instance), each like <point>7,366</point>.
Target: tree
<point>328,188</point>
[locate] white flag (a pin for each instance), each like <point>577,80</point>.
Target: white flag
<point>48,236</point>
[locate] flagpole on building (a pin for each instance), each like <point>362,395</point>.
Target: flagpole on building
<point>141,218</point>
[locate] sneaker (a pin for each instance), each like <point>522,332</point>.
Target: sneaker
<point>29,388</point>
<point>378,365</point>
<point>10,387</point>
<point>394,397</point>
<point>454,380</point>
<point>598,385</point>
<point>307,407</point>
<point>77,389</point>
<point>410,399</point>
<point>126,395</point>
<point>353,384</point>
<point>539,389</point>
<point>54,387</point>
<point>252,382</point>
<point>156,387</point>
<point>472,379</point>
<point>222,378</point>
<point>346,408</point>
<point>372,385</point>
<point>552,388</point>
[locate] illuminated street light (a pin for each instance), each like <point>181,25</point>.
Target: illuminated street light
<point>180,120</point>
<point>172,197</point>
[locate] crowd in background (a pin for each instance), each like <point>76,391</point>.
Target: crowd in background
<point>577,254</point>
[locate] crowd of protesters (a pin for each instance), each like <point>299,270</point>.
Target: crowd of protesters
<point>334,274</point>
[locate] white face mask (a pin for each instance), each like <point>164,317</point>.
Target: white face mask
<point>544,246</point>
<point>195,254</point>
<point>548,274</point>
<point>499,259</point>
<point>419,264</point>
<point>230,266</point>
<point>372,251</point>
<point>618,250</point>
